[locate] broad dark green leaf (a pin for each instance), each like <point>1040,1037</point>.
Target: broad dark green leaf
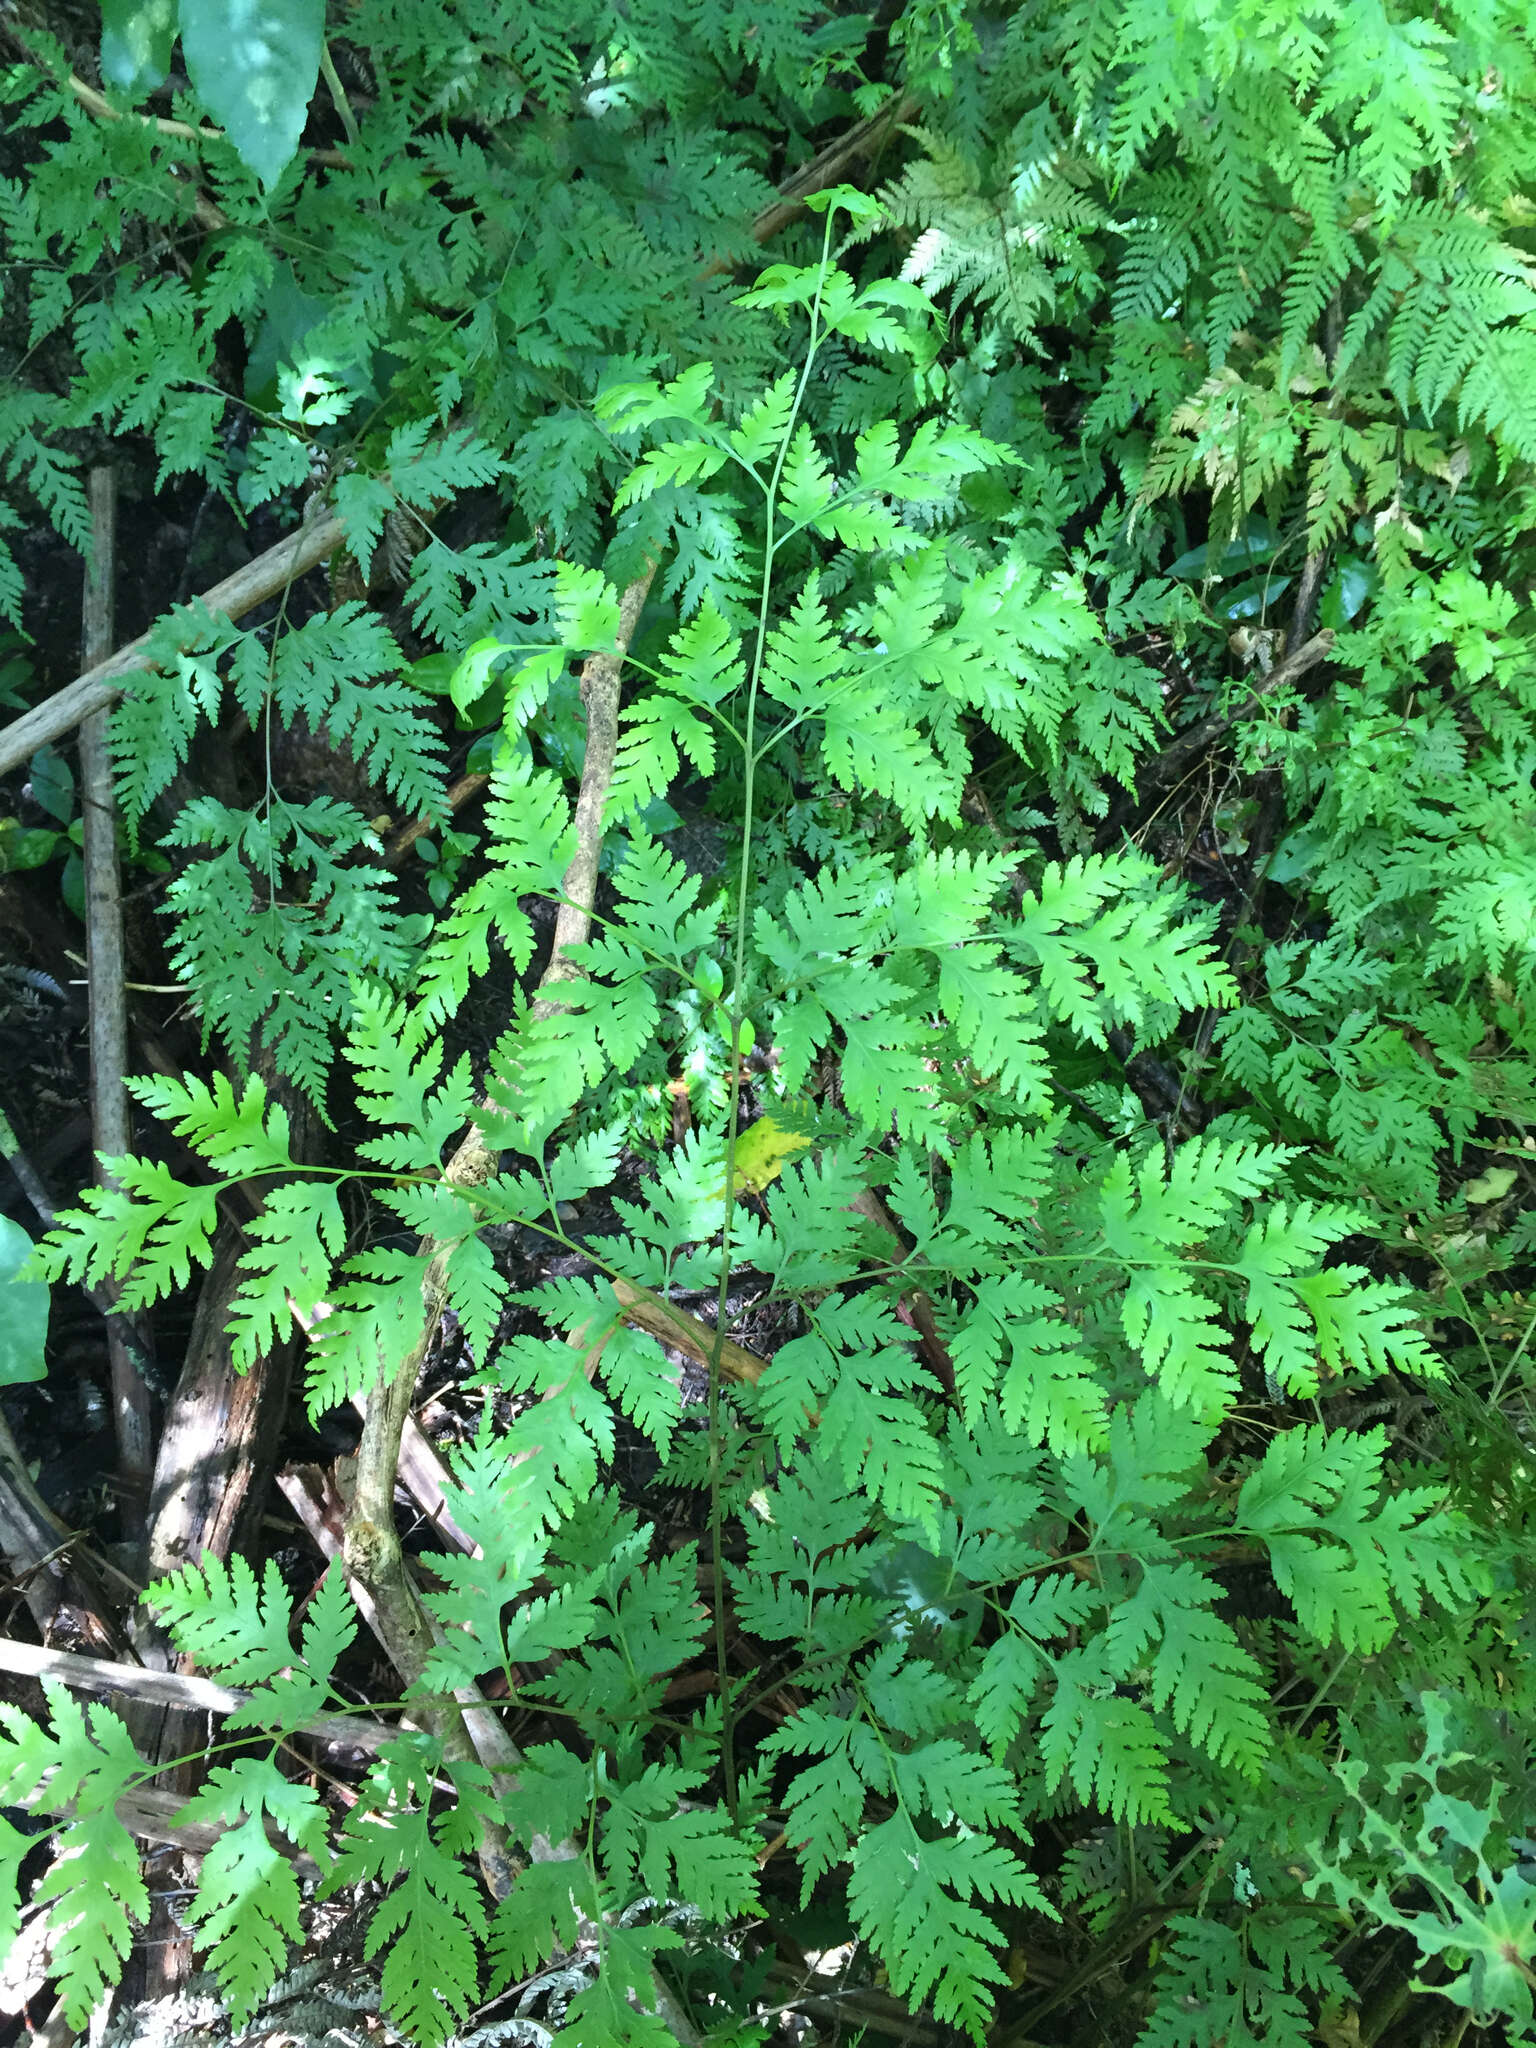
<point>23,1310</point>
<point>52,783</point>
<point>136,39</point>
<point>1256,544</point>
<point>254,64</point>
<point>25,847</point>
<point>1254,597</point>
<point>1347,593</point>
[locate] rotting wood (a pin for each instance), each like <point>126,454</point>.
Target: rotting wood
<point>218,1432</point>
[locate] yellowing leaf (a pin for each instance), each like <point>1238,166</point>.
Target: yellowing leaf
<point>765,1148</point>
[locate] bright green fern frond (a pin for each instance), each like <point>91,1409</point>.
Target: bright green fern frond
<point>92,1892</point>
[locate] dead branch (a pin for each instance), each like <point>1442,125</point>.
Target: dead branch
<point>100,686</point>
<point>214,1454</point>
<point>104,1675</point>
<point>600,695</point>
<point>425,1478</point>
<point>152,1817</point>
<point>110,1127</point>
<point>55,1584</point>
<point>1190,744</point>
<point>826,168</point>
<point>371,1546</point>
<point>473,1162</point>
<point>460,793</point>
<point>1308,591</point>
<point>686,1333</point>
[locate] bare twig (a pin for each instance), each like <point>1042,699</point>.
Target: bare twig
<point>1308,590</point>
<point>686,1333</point>
<point>97,103</point>
<point>313,1496</point>
<point>27,1177</point>
<point>459,794</point>
<point>39,1549</point>
<point>824,169</point>
<point>126,1347</point>
<point>32,1185</point>
<point>210,215</point>
<point>100,686</point>
<point>1188,745</point>
<point>372,1547</point>
<point>866,2010</point>
<point>370,1534</point>
<point>104,1675</point>
<point>600,695</point>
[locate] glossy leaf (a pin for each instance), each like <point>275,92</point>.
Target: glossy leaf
<point>136,39</point>
<point>23,1310</point>
<point>254,64</point>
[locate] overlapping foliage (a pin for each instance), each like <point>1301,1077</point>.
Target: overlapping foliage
<point>1067,1613</point>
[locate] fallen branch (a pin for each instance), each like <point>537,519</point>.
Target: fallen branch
<point>214,1454</point>
<point>151,1815</point>
<point>469,1728</point>
<point>686,1333</point>
<point>371,1547</point>
<point>578,891</point>
<point>460,793</point>
<point>103,1675</point>
<point>370,1527</point>
<point>102,685</point>
<point>425,1478</point>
